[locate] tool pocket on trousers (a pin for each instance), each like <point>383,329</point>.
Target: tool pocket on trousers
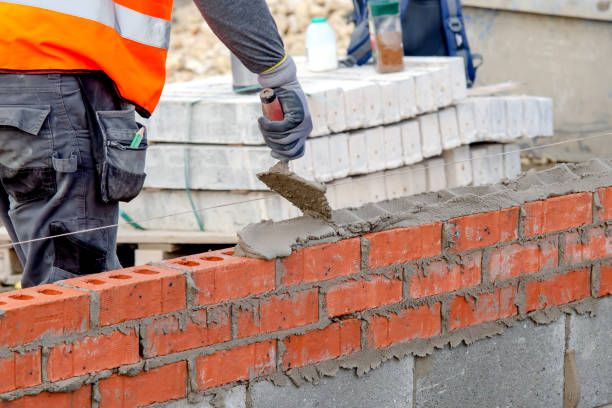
<point>124,156</point>
<point>26,150</point>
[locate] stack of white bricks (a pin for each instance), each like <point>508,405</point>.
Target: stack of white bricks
<point>375,137</point>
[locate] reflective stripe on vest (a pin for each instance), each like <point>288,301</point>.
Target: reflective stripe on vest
<point>128,23</point>
<point>126,39</point>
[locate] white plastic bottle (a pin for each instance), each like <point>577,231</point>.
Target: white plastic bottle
<point>321,46</point>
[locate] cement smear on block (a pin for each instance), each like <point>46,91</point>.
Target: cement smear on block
<point>270,240</point>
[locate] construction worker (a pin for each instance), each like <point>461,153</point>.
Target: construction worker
<point>72,75</point>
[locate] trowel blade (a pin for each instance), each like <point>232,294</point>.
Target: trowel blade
<point>306,195</point>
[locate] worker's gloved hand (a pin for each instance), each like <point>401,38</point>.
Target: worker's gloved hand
<point>286,138</point>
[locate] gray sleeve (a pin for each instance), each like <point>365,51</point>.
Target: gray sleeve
<point>247,28</point>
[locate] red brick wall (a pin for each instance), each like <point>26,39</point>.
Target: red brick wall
<point>156,333</point>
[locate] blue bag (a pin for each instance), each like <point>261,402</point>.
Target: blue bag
<point>430,28</point>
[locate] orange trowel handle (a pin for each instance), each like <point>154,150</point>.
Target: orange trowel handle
<point>271,106</point>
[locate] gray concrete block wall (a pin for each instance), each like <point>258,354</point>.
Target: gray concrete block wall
<point>591,341</point>
<point>523,367</point>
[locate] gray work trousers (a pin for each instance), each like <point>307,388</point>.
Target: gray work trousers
<point>49,183</point>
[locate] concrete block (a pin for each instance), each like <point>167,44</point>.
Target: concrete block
<point>482,118</point>
<point>304,166</point>
<point>495,157</point>
<point>336,113</point>
<point>317,103</point>
<point>467,122</point>
<point>408,104</point>
<point>332,194</point>
<point>171,121</point>
<point>354,94</point>
<point>339,155</point>
<point>425,96</point>
<point>391,101</point>
<point>436,174</point>
<point>322,159</point>
<point>418,175</point>
<point>546,117</point>
<point>458,167</point>
<point>512,161</point>
<point>591,340</point>
<point>449,128</point>
<point>358,152</point>
<point>374,106</point>
<point>443,87</point>
<point>375,149</point>
<point>521,368</point>
<point>480,166</point>
<point>234,398</point>
<point>531,117</point>
<point>411,142</point>
<point>431,140</point>
<point>459,80</point>
<point>514,117</point>
<point>388,386</point>
<point>497,120</point>
<point>392,143</point>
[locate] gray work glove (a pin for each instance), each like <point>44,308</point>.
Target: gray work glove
<point>286,138</point>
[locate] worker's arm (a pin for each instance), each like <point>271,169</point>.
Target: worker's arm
<point>247,28</point>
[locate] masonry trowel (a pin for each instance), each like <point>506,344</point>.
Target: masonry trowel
<point>308,196</point>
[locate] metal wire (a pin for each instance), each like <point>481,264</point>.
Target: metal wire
<point>191,211</point>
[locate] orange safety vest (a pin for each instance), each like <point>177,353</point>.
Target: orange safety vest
<point>126,39</point>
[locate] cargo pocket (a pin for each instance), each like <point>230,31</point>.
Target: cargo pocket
<point>26,150</point>
<point>123,162</point>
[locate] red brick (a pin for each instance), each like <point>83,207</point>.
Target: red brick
<point>464,311</point>
<point>337,339</point>
<point>354,296</point>
<point>168,335</point>
<point>322,262</point>
<point>558,214</point>
<point>516,260</point>
<point>161,384</point>
<point>605,199</point>
<point>442,277</point>
<point>404,245</point>
<point>135,293</point>
<point>605,284</point>
<point>20,371</point>
<point>279,313</point>
<point>93,354</point>
<point>482,230</point>
<point>45,310</point>
<point>593,245</point>
<point>220,277</point>
<point>558,290</point>
<point>409,324</point>
<point>80,398</point>
<point>241,363</point>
